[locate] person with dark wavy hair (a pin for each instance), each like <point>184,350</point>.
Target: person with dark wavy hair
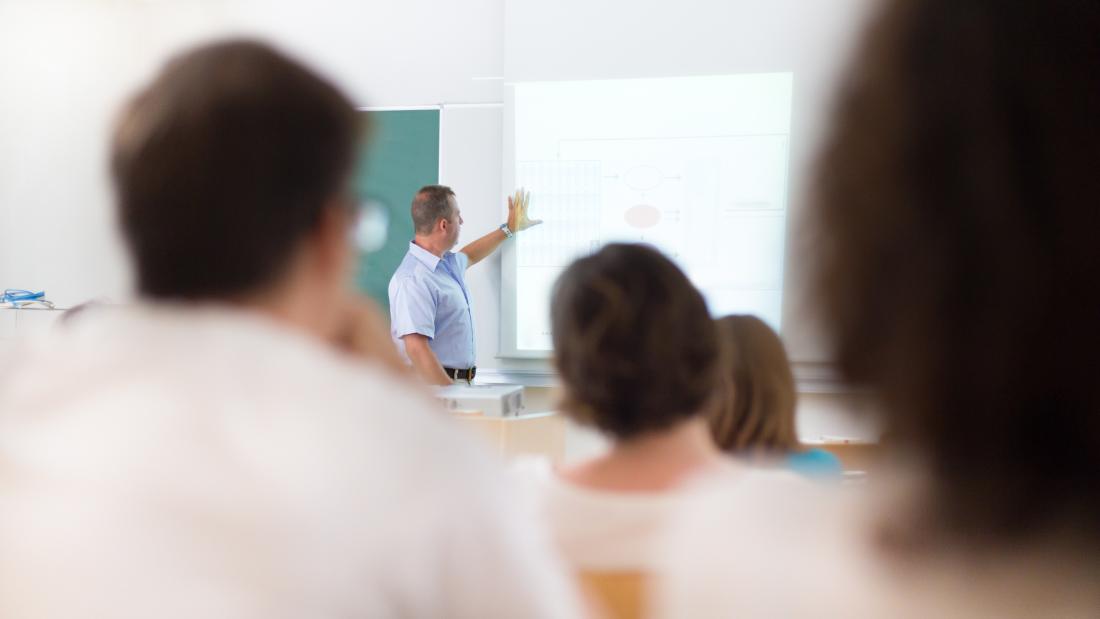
<point>634,345</point>
<point>957,264</point>
<point>638,358</point>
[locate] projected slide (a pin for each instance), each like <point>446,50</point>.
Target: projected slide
<point>696,166</point>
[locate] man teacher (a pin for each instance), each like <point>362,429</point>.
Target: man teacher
<point>430,317</point>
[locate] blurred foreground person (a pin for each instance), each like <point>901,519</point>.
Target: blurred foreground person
<point>215,450</point>
<point>636,351</point>
<point>957,219</point>
<point>755,420</point>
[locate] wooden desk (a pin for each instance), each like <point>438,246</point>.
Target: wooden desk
<point>541,434</point>
<point>853,455</point>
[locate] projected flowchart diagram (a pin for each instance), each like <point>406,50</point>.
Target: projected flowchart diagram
<point>709,192</point>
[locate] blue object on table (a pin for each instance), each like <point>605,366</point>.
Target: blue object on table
<point>15,298</point>
<point>11,295</point>
<point>816,463</point>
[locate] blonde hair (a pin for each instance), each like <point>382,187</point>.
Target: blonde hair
<point>756,410</point>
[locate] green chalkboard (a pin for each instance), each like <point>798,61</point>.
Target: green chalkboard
<point>401,156</point>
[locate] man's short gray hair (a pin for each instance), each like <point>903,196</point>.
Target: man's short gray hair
<point>429,205</point>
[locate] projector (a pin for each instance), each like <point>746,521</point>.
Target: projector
<point>489,400</point>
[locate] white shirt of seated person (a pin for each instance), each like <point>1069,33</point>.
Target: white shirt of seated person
<point>209,462</point>
<point>763,549</point>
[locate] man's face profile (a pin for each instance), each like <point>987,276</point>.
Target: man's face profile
<point>454,223</point>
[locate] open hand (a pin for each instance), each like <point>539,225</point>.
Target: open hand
<point>517,211</point>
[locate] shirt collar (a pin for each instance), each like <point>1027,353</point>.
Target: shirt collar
<point>425,257</point>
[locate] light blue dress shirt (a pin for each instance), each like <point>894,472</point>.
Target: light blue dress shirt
<point>428,295</point>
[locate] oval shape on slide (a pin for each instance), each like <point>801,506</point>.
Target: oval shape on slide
<point>642,216</point>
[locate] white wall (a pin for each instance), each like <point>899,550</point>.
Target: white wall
<point>66,66</point>
<point>609,39</point>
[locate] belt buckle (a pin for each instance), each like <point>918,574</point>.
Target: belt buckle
<point>466,374</point>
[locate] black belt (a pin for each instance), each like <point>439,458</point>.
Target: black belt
<point>463,374</point>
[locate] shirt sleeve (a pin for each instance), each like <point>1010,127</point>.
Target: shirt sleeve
<point>412,309</point>
<point>463,263</point>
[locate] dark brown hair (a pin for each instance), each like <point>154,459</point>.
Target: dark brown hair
<point>957,217</point>
<point>633,342</point>
<point>758,408</point>
<point>430,204</point>
<point>223,166</point>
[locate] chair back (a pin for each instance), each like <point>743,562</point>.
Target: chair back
<point>620,594</point>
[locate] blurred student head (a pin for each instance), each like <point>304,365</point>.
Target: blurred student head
<point>758,404</point>
<point>957,213</point>
<point>231,170</point>
<point>633,342</point>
